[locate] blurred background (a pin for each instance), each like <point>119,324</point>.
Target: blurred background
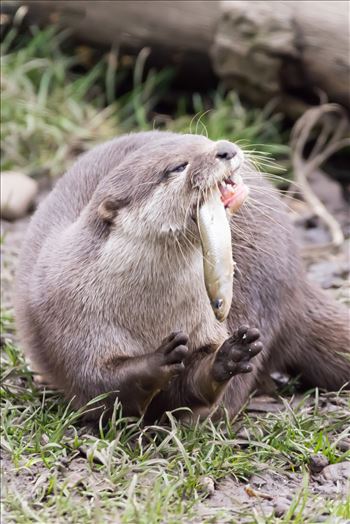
<point>273,76</point>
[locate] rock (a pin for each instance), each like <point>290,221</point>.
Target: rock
<point>344,445</point>
<point>316,235</point>
<point>334,472</point>
<point>280,506</point>
<point>18,192</point>
<point>330,193</point>
<point>207,486</point>
<point>329,273</point>
<point>280,379</point>
<point>258,481</point>
<point>318,462</point>
<point>265,404</point>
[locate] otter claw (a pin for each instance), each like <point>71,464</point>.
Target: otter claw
<point>234,356</point>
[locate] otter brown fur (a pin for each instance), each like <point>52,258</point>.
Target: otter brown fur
<point>111,296</point>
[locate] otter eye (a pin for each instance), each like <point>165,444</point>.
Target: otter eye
<point>179,168</point>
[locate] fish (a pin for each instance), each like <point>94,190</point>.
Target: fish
<point>218,264</point>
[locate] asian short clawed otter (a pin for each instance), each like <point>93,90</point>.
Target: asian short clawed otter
<point>111,295</point>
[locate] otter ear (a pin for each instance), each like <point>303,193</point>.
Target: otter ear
<point>108,209</point>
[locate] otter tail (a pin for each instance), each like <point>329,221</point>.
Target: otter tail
<point>319,342</point>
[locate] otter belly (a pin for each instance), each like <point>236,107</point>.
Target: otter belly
<point>154,295</point>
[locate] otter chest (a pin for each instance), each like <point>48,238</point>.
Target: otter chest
<point>155,293</point>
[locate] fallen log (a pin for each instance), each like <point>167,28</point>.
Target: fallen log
<point>293,49</point>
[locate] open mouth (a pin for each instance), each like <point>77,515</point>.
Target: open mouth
<point>232,190</point>
<point>227,189</point>
<point>233,193</point>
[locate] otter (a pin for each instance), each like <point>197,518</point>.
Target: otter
<point>111,297</point>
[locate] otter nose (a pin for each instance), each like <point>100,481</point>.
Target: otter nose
<point>225,150</point>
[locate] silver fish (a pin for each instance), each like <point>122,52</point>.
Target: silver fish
<point>218,264</point>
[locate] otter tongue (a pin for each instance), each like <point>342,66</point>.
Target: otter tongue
<point>215,234</point>
<point>227,192</point>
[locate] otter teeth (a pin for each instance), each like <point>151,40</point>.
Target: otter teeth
<point>227,183</point>
<point>227,190</point>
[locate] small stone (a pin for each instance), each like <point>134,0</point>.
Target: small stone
<point>280,379</point>
<point>344,445</point>
<point>207,486</point>
<point>44,439</point>
<point>318,462</point>
<point>280,506</point>
<point>257,481</point>
<point>336,472</point>
<point>18,192</point>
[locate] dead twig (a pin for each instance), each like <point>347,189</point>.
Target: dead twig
<point>332,137</point>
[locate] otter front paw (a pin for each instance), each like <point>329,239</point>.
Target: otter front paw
<point>234,355</point>
<point>172,352</point>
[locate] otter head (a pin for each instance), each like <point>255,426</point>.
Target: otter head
<point>177,189</point>
<point>157,190</point>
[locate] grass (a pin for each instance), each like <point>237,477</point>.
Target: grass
<point>50,113</point>
<point>56,468</point>
<point>44,116</point>
<point>60,470</point>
